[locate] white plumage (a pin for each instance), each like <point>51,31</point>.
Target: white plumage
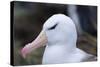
<point>61,46</point>
<point>60,37</point>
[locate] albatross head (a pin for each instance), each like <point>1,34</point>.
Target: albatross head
<point>60,29</point>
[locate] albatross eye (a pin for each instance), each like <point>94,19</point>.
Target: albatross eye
<point>53,27</point>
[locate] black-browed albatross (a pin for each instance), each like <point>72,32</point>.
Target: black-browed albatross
<point>60,36</point>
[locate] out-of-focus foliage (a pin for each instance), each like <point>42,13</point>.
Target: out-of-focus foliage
<point>29,18</point>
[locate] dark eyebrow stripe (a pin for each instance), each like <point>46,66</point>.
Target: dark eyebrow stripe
<point>53,27</point>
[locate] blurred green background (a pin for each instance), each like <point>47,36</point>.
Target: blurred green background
<point>28,18</point>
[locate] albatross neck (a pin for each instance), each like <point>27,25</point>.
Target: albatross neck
<point>62,46</point>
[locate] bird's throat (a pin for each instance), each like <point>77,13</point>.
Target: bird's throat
<point>56,53</point>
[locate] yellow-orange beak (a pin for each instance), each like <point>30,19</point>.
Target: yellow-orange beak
<point>41,40</point>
